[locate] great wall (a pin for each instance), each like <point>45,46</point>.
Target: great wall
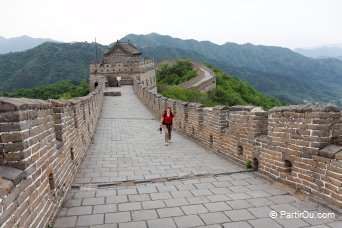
<point>299,145</point>
<point>42,143</point>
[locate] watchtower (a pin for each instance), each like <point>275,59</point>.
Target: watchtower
<point>121,63</point>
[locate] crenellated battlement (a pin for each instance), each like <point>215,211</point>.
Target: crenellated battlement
<point>132,67</point>
<point>300,145</point>
<point>41,146</point>
<point>42,143</point>
<point>122,62</point>
<point>204,81</point>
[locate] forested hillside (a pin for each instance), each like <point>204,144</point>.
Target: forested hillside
<point>46,64</point>
<point>229,90</point>
<point>58,90</point>
<point>273,70</point>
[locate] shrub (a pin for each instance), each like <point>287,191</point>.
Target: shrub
<point>60,90</point>
<point>248,164</point>
<point>174,74</point>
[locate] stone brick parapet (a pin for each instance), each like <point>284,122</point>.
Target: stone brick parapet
<point>188,84</point>
<point>206,85</point>
<point>41,145</point>
<point>144,68</point>
<point>200,82</point>
<point>299,145</point>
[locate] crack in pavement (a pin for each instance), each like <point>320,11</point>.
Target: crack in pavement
<point>101,185</point>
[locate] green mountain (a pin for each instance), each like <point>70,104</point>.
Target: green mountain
<point>229,90</point>
<point>57,90</point>
<point>46,64</point>
<point>275,71</point>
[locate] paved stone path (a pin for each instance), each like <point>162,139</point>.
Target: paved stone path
<point>207,76</point>
<point>182,185</point>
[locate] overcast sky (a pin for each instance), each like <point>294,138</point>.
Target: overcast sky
<point>286,23</point>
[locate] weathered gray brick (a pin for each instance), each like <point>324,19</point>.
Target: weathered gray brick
<point>140,224</point>
<point>129,206</point>
<point>176,202</point>
<point>84,210</point>
<point>153,204</point>
<point>65,221</point>
<point>88,220</point>
<point>99,209</point>
<point>93,201</point>
<point>238,215</point>
<point>239,204</point>
<point>218,206</point>
<point>164,222</point>
<point>170,212</point>
<point>214,218</point>
<point>144,215</point>
<point>194,209</point>
<point>264,223</point>
<point>160,196</point>
<point>117,217</point>
<point>188,221</point>
<point>116,199</point>
<point>241,224</point>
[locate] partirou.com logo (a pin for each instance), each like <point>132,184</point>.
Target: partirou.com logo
<point>302,214</point>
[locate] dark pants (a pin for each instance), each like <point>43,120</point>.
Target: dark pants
<point>168,130</point>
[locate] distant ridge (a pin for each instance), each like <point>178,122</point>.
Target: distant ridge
<point>20,43</point>
<point>45,64</point>
<point>276,71</point>
<point>321,52</point>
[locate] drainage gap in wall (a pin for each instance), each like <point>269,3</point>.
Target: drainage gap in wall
<point>211,141</point>
<point>287,166</point>
<point>255,164</point>
<point>75,120</point>
<point>51,182</point>
<point>72,154</point>
<point>84,117</point>
<point>193,130</point>
<point>239,150</point>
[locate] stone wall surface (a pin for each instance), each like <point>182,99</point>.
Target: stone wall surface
<point>148,77</point>
<point>200,82</point>
<point>192,81</point>
<point>108,72</point>
<point>41,145</point>
<point>43,142</point>
<point>299,145</point>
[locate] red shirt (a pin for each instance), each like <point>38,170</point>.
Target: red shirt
<point>167,119</point>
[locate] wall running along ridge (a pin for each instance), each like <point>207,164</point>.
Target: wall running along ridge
<point>300,145</point>
<point>194,82</point>
<point>41,146</point>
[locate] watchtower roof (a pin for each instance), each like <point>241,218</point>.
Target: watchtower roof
<point>125,46</point>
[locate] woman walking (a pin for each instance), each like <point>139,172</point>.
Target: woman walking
<point>166,123</point>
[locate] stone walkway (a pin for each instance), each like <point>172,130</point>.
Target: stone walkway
<point>207,76</point>
<point>128,178</point>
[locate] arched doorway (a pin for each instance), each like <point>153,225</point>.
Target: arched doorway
<point>112,81</point>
